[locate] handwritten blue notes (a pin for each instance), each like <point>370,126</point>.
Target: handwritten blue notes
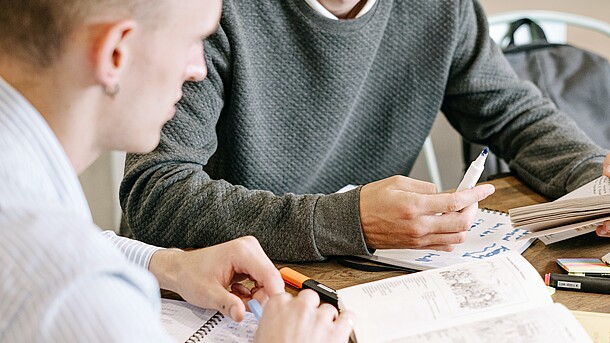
<point>490,234</point>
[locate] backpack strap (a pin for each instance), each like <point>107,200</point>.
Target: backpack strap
<point>536,32</point>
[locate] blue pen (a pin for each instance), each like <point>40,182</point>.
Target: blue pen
<point>256,308</point>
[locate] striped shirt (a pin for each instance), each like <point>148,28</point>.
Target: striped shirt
<point>61,280</point>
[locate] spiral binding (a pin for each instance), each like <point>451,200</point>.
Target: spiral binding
<point>489,210</point>
<point>205,329</point>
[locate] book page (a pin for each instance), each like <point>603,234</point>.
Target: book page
<point>232,332</point>
<point>420,302</point>
<point>586,226</point>
<point>490,234</point>
<point>599,186</point>
<point>558,237</point>
<point>181,320</point>
<point>553,323</point>
<point>597,325</point>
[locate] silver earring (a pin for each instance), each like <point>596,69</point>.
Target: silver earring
<point>111,92</point>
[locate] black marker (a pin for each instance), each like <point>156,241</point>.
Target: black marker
<point>589,284</point>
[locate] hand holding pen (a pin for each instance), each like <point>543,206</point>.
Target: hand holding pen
<point>400,212</point>
<point>302,319</point>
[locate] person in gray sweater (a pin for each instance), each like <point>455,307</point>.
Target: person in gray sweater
<point>304,97</point>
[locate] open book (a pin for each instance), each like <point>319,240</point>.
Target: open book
<point>490,234</point>
<point>576,213</point>
<point>502,299</point>
<point>187,323</point>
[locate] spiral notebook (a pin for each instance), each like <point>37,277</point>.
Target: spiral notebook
<point>490,234</point>
<point>187,323</point>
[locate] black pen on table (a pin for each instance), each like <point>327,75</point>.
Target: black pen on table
<point>589,284</point>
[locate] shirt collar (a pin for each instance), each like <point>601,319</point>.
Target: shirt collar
<point>315,4</point>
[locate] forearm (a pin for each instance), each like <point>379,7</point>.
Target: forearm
<point>165,266</point>
<point>553,156</point>
<point>180,206</point>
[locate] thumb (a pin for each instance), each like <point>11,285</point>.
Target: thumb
<point>227,303</point>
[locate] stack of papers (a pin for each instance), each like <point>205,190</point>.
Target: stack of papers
<point>579,212</point>
<point>561,213</point>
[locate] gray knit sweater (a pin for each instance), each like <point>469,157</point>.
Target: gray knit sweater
<point>295,106</point>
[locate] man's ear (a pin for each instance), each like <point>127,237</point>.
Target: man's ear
<point>112,51</point>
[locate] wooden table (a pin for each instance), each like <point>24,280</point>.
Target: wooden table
<point>510,193</point>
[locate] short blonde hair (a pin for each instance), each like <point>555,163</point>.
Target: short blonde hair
<point>35,31</point>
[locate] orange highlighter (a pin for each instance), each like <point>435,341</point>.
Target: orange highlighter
<point>300,281</point>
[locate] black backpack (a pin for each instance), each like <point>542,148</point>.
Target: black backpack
<point>576,80</point>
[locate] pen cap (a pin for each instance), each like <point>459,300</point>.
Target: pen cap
<point>292,277</point>
<point>473,173</point>
<point>256,308</point>
<point>480,161</point>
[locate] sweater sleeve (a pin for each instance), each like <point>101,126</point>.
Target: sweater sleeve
<point>487,103</point>
<point>168,199</point>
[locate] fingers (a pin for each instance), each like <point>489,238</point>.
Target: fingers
<point>443,242</point>
<point>260,295</point>
<point>310,297</point>
<point>452,222</point>
<point>326,317</point>
<point>327,312</point>
<point>227,303</point>
<point>344,325</point>
<point>300,319</point>
<point>603,230</point>
<point>607,165</point>
<point>241,292</point>
<point>412,185</point>
<point>447,247</point>
<point>250,259</point>
<point>451,202</point>
<point>397,217</point>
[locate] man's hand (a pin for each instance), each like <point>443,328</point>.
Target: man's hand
<point>203,276</point>
<point>604,229</point>
<point>400,212</point>
<point>302,319</point>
